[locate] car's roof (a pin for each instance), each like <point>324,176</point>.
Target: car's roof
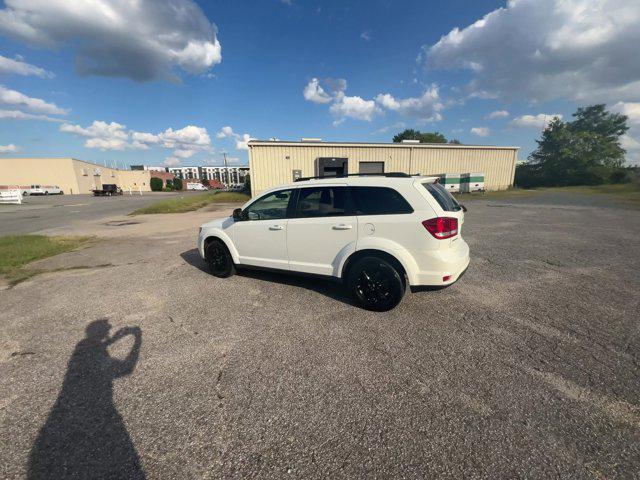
<point>365,180</point>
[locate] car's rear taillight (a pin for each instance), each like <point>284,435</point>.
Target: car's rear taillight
<point>442,227</point>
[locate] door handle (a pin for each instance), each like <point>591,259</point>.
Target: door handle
<point>342,226</point>
<point>276,227</point>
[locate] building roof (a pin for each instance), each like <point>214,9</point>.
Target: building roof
<point>286,143</point>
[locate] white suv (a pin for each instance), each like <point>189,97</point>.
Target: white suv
<point>377,234</point>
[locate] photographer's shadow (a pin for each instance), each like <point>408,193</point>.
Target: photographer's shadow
<point>84,435</point>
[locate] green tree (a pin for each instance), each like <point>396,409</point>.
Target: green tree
<point>602,131</point>
<point>205,182</point>
<point>156,184</point>
<point>177,183</point>
<point>426,137</point>
<point>585,151</point>
<point>169,185</point>
<point>247,183</point>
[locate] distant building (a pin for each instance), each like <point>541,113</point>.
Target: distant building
<point>163,175</point>
<point>71,175</point>
<point>230,176</point>
<point>276,163</point>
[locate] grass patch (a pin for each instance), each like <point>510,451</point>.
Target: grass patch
<point>16,251</point>
<point>625,193</point>
<point>500,194</point>
<point>189,203</point>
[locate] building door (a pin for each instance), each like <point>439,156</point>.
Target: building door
<point>332,167</point>
<point>371,167</point>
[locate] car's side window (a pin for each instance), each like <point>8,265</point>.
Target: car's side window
<point>322,202</point>
<point>379,201</point>
<point>270,207</point>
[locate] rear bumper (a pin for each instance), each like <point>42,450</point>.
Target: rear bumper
<point>443,263</point>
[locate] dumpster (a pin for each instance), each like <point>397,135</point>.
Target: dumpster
<point>472,182</point>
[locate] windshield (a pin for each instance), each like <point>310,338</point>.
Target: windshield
<point>443,197</point>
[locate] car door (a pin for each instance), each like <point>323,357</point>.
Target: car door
<point>261,237</point>
<point>321,230</point>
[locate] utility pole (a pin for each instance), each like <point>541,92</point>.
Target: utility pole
<point>226,171</point>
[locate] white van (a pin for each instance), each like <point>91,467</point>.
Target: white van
<point>45,190</point>
<point>196,186</point>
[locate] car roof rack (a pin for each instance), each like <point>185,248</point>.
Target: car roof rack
<point>388,174</point>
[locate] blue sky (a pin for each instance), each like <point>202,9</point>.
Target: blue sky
<point>174,82</point>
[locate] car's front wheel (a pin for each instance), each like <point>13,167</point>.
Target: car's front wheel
<point>219,259</point>
<point>375,284</point>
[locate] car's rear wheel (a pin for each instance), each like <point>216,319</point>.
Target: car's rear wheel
<point>219,259</point>
<point>375,284</point>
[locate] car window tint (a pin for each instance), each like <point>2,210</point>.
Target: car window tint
<point>379,201</point>
<point>322,202</point>
<point>443,197</point>
<point>270,207</point>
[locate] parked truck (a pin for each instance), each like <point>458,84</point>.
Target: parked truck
<point>107,190</point>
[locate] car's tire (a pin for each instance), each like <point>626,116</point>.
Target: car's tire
<point>219,259</point>
<point>375,284</point>
<point>46,193</point>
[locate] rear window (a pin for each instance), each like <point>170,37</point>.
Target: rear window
<point>378,201</point>
<point>444,198</point>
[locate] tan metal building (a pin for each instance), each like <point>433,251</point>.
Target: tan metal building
<point>71,175</point>
<point>274,163</point>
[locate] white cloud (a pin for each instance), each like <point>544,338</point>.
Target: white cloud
<point>172,162</point>
<point>584,50</point>
<point>138,39</point>
<point>480,131</point>
<point>366,36</point>
<point>10,66</point>
<point>18,115</point>
<point>497,114</point>
<point>100,135</point>
<point>632,146</point>
<point>20,100</point>
<point>11,148</point>
<point>425,108</point>
<point>184,142</point>
<point>313,92</point>
<point>354,107</point>
<point>629,141</point>
<point>225,132</point>
<point>538,121</point>
<point>630,109</point>
<point>187,138</point>
<point>241,140</point>
<point>390,128</point>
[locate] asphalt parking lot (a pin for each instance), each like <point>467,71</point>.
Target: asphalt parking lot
<point>526,368</point>
<point>39,213</point>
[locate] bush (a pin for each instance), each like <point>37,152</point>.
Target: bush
<point>156,184</point>
<point>177,184</point>
<point>528,176</point>
<point>622,175</point>
<point>169,185</point>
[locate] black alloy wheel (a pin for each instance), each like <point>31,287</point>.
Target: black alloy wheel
<point>219,259</point>
<point>376,284</point>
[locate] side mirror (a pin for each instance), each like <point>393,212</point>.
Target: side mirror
<point>237,214</point>
<point>464,209</point>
